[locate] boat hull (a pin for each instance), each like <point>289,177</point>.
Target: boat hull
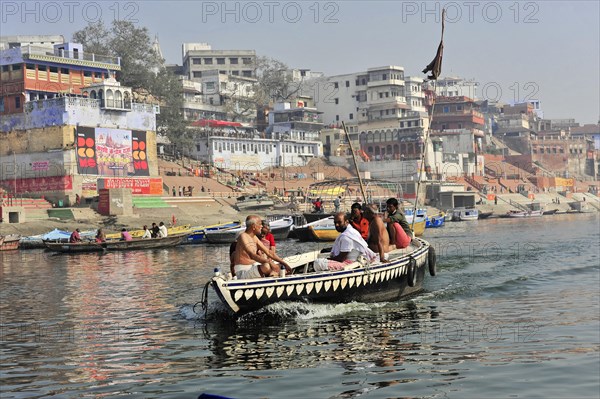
<point>313,217</point>
<point>135,244</point>
<point>9,242</point>
<point>525,214</point>
<point>375,283</point>
<point>198,235</point>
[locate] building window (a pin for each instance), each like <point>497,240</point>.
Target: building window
<point>5,68</point>
<point>31,67</point>
<point>336,100</point>
<point>459,107</point>
<point>42,68</point>
<point>197,61</point>
<point>197,74</point>
<point>247,74</point>
<point>336,85</point>
<point>208,61</point>
<point>347,83</point>
<point>460,125</point>
<point>446,109</point>
<point>337,118</point>
<point>235,73</point>
<point>221,61</point>
<point>246,61</point>
<point>233,61</point>
<point>444,127</point>
<point>1,104</point>
<point>351,116</point>
<point>17,102</point>
<point>53,69</point>
<point>64,71</point>
<point>87,74</point>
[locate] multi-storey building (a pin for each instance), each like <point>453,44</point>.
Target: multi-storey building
<point>72,130</point>
<point>199,58</point>
<point>292,139</point>
<point>32,73</point>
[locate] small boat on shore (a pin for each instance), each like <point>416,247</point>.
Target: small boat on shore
<point>9,242</point>
<point>524,214</point>
<point>280,229</point>
<point>464,214</point>
<point>550,212</point>
<point>115,245</point>
<point>485,215</point>
<point>360,281</point>
<point>246,202</point>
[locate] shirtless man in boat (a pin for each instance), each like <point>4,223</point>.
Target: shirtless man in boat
<point>248,263</point>
<point>379,239</point>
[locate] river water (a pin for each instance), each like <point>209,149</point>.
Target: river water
<point>512,313</point>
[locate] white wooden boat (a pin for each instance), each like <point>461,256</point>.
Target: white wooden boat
<point>464,214</point>
<point>360,281</point>
<point>280,229</point>
<point>524,214</point>
<point>246,202</point>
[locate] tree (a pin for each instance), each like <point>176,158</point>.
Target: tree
<point>167,89</point>
<point>143,70</point>
<point>128,42</point>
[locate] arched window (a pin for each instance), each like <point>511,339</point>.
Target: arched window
<point>110,98</point>
<point>118,99</point>
<point>370,150</point>
<point>93,94</point>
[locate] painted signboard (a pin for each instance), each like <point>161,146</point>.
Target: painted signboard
<point>151,186</point>
<point>111,152</point>
<point>39,184</point>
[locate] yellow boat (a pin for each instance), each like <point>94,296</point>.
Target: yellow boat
<point>324,234</point>
<point>183,229</point>
<point>419,228</point>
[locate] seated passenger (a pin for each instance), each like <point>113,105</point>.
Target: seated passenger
<point>125,236</point>
<point>346,248</point>
<point>379,239</point>
<point>247,262</point>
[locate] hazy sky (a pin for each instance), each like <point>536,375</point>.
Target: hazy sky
<point>547,50</point>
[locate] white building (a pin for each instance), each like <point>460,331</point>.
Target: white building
<point>199,58</point>
<point>292,140</point>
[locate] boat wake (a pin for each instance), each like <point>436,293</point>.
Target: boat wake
<point>275,313</point>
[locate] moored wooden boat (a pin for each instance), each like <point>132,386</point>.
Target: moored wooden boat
<point>303,233</point>
<point>485,215</point>
<point>115,245</point>
<point>401,277</point>
<point>197,234</point>
<point>280,229</point>
<point>175,230</point>
<point>434,221</point>
<point>524,214</point>
<point>465,214</point>
<point>246,202</point>
<point>9,242</point>
<point>550,212</point>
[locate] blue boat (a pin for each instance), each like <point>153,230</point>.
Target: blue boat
<point>198,233</point>
<point>435,221</point>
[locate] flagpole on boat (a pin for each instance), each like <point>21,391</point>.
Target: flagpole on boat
<point>362,189</point>
<point>435,67</point>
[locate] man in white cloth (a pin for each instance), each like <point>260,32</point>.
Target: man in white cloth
<point>162,230</point>
<point>346,248</point>
<point>247,262</point>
